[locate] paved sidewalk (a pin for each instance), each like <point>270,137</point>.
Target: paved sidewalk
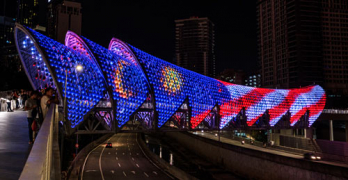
<point>14,147</point>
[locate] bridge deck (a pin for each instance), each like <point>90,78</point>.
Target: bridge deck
<point>14,147</point>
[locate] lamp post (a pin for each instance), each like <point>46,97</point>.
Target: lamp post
<point>79,68</point>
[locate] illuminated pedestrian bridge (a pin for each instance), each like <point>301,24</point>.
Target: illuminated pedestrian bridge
<point>122,83</point>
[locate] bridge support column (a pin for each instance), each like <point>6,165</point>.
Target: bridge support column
<point>347,131</point>
<point>309,133</point>
<point>305,132</point>
<point>331,131</point>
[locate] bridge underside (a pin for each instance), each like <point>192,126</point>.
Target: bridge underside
<point>122,88</point>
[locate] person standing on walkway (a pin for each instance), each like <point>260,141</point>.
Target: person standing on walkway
<point>8,100</point>
<point>48,99</point>
<point>31,107</point>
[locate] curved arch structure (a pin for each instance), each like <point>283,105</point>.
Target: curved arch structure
<point>46,62</point>
<point>131,75</point>
<point>123,74</point>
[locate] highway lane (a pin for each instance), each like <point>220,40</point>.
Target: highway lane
<point>125,160</point>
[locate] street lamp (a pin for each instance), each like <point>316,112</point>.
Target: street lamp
<point>78,68</point>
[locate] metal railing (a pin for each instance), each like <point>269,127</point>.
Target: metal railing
<point>44,158</point>
<point>335,111</point>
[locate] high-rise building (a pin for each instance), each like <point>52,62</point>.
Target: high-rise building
<point>302,42</point>
<point>195,43</point>
<point>334,30</point>
<point>10,65</point>
<point>290,42</point>
<point>63,15</point>
<point>28,12</point>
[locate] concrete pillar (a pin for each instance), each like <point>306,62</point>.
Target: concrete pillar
<point>305,132</point>
<point>347,131</point>
<point>331,131</point>
<point>171,159</point>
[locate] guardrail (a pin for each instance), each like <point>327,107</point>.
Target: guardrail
<point>44,158</point>
<point>335,111</point>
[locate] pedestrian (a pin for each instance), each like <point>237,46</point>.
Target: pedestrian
<point>31,107</point>
<point>48,99</point>
<point>24,98</point>
<point>39,114</point>
<point>8,100</point>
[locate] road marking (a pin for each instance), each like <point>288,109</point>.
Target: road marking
<point>124,174</point>
<point>100,167</point>
<point>133,172</point>
<point>137,154</point>
<point>116,158</point>
<point>108,152</point>
<point>154,172</point>
<point>146,174</point>
<point>119,164</point>
<point>90,170</point>
<point>137,165</point>
<point>112,171</point>
<point>123,153</point>
<point>130,153</point>
<point>136,140</point>
<point>116,153</point>
<point>133,159</point>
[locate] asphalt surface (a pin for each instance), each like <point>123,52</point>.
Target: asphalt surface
<point>14,147</point>
<point>268,150</point>
<point>125,160</point>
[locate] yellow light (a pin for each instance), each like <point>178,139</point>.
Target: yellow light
<point>79,68</point>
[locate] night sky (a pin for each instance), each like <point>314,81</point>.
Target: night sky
<point>150,26</point>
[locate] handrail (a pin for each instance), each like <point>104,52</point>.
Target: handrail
<point>44,158</point>
<point>335,111</point>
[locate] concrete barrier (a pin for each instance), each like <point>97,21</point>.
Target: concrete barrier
<point>255,164</point>
<point>44,158</point>
<point>165,166</point>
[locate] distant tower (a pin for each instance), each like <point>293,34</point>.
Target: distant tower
<point>63,16</point>
<point>195,44</point>
<point>28,12</point>
<point>290,42</point>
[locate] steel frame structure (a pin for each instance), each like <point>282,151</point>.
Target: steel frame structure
<point>122,84</point>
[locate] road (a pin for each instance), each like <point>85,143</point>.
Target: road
<point>268,150</point>
<point>125,160</point>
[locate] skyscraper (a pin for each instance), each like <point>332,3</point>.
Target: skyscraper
<point>63,15</point>
<point>195,43</point>
<point>334,30</point>
<point>302,42</point>
<point>290,43</point>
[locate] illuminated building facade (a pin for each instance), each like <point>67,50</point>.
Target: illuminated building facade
<point>129,76</point>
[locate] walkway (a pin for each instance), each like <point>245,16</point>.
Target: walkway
<point>14,147</point>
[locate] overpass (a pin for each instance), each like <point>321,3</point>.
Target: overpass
<point>123,88</point>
